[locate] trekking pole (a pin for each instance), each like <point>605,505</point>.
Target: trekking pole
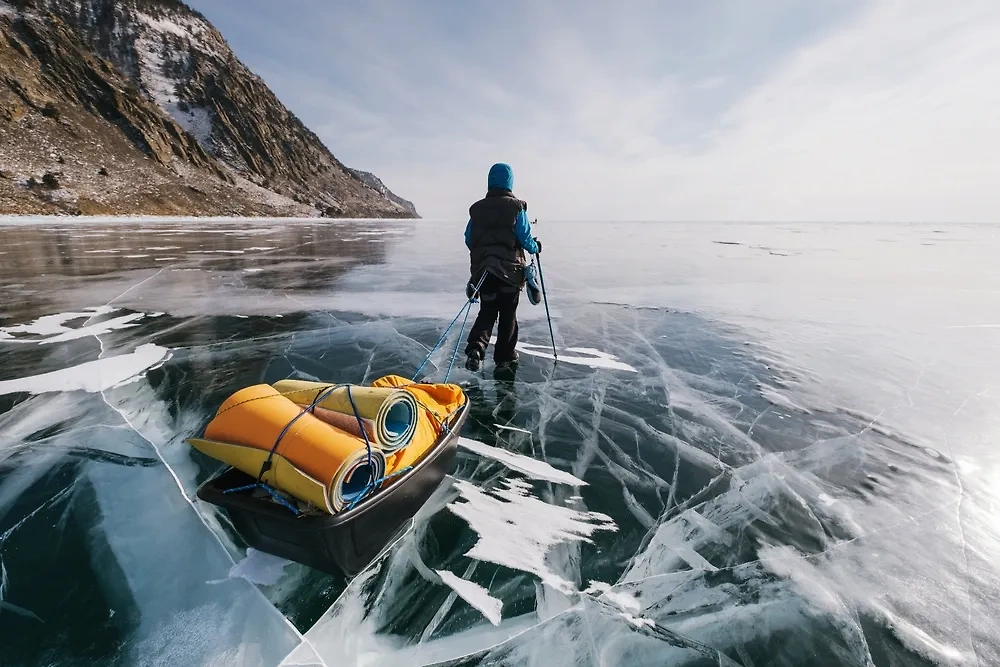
<point>541,279</point>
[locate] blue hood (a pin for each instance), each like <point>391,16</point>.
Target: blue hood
<point>501,177</point>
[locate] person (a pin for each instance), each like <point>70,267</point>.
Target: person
<point>497,235</point>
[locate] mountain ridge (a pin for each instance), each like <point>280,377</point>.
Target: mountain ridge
<point>232,128</point>
<point>375,183</point>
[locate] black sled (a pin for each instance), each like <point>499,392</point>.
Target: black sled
<point>344,543</point>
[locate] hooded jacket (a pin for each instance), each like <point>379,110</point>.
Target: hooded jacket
<point>498,232</point>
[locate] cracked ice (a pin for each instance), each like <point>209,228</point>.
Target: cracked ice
<point>760,470</point>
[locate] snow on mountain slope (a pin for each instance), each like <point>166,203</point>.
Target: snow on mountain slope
<point>158,59</point>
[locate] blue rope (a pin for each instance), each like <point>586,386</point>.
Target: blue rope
<point>468,305</point>
<point>458,343</point>
<point>395,474</point>
<point>274,494</point>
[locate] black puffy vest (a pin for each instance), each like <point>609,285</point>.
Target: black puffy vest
<point>493,246</point>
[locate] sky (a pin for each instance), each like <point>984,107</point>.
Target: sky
<point>789,110</point>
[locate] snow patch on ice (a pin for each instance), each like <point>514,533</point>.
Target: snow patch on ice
<point>517,530</point>
<point>596,588</point>
<point>581,356</point>
<point>639,621</point>
<point>475,595</point>
<point>595,358</point>
<point>260,568</point>
<point>91,376</point>
<point>519,462</point>
<point>623,600</point>
<point>620,599</point>
<point>52,328</point>
<point>50,325</point>
<point>627,603</point>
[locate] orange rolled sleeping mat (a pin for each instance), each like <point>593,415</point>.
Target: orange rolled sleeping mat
<point>320,457</point>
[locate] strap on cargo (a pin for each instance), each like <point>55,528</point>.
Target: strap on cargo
<point>266,465</point>
<point>310,408</point>
<point>371,484</point>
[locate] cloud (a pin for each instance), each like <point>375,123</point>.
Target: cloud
<point>889,118</point>
<point>833,110</point>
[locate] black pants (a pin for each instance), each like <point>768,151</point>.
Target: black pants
<point>497,300</point>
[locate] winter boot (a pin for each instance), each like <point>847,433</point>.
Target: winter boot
<point>473,362</point>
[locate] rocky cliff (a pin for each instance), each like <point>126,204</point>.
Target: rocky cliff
<point>151,86</point>
<point>373,181</point>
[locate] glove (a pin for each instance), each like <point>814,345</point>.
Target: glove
<point>539,244</point>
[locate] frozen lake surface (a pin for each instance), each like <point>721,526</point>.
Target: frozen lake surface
<point>763,444</point>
